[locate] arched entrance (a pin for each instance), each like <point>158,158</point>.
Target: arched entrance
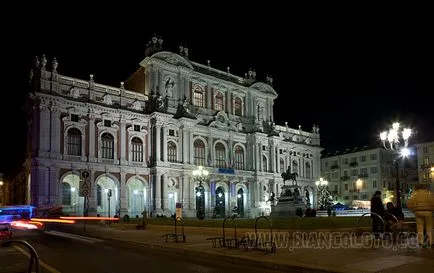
<point>72,203</point>
<point>240,203</point>
<point>107,196</point>
<point>136,197</point>
<point>220,203</point>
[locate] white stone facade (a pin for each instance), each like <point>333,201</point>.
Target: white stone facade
<point>144,144</point>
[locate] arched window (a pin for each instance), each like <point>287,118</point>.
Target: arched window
<point>107,146</point>
<point>199,152</point>
<point>136,150</point>
<point>282,165</point>
<point>294,166</point>
<point>308,170</point>
<point>238,105</point>
<point>219,105</point>
<point>198,97</point>
<point>66,194</point>
<point>264,164</point>
<point>74,142</point>
<point>220,155</point>
<point>171,151</point>
<point>98,195</point>
<point>239,158</point>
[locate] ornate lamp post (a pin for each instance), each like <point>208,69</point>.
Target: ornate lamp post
<point>324,197</point>
<point>396,140</point>
<point>200,175</point>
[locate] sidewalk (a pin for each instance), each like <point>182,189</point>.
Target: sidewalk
<point>307,256</point>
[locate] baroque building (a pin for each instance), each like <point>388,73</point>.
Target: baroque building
<point>141,141</point>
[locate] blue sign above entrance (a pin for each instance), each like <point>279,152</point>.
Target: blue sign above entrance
<point>226,171</point>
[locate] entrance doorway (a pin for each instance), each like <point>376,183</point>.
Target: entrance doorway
<point>220,203</point>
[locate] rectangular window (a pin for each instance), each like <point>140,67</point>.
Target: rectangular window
<point>373,156</point>
<point>137,128</point>
<point>374,184</point>
<point>374,170</point>
<point>107,123</point>
<point>74,118</point>
<point>198,98</point>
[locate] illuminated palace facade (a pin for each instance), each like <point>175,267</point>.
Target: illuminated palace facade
<point>143,140</point>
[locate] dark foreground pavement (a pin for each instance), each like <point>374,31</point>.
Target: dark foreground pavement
<point>88,255</point>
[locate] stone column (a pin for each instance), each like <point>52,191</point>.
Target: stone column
<point>92,211</point>
<point>55,134</point>
<point>158,193</point>
<point>209,97</point>
<point>157,142</point>
<point>191,149</point>
<point>55,189</point>
<point>185,192</point>
<point>123,142</point>
<point>44,131</point>
<point>258,157</point>
<point>92,136</point>
<point>165,157</point>
<point>192,193</point>
<point>272,158</point>
<point>164,193</point>
<point>123,190</point>
<point>185,145</point>
<point>187,89</point>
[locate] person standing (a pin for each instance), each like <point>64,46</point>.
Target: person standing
<point>377,214</point>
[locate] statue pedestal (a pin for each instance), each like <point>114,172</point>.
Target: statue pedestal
<point>288,203</point>
<point>422,204</point>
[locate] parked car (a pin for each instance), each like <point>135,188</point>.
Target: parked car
<point>5,232</point>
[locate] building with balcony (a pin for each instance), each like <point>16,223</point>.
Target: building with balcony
<point>355,174</point>
<point>425,160</point>
<point>140,142</point>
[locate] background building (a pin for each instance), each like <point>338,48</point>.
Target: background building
<point>425,159</point>
<point>355,175</point>
<point>142,140</point>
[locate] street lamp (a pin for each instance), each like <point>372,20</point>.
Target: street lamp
<point>396,140</point>
<point>200,175</point>
<point>324,197</point>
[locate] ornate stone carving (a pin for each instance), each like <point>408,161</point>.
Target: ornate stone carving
<point>108,99</point>
<point>137,105</point>
<point>169,85</point>
<point>74,92</point>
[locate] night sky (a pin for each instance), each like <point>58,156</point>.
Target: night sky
<point>352,81</point>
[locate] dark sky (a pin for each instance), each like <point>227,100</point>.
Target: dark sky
<point>352,80</point>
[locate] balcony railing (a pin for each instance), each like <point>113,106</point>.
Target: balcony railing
<point>363,175</point>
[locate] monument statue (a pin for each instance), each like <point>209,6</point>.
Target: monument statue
<point>290,199</point>
<point>288,175</point>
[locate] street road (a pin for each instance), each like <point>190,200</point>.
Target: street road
<point>89,255</point>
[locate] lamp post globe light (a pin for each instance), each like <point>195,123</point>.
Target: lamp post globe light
<point>200,175</point>
<point>324,197</point>
<point>396,140</point>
